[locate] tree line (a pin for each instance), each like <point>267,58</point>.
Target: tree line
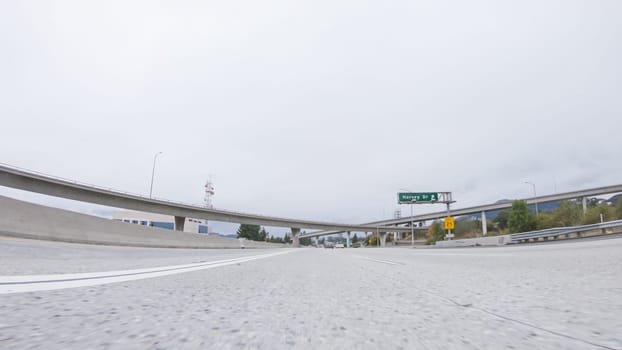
<point>258,233</point>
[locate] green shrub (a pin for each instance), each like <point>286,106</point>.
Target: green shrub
<point>568,214</point>
<point>435,233</point>
<point>545,220</point>
<point>592,215</point>
<point>521,218</point>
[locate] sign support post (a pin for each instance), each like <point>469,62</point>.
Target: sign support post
<point>412,226</point>
<point>427,198</point>
<point>449,224</point>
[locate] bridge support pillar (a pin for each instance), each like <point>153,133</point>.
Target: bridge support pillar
<point>179,223</point>
<point>484,226</point>
<point>316,240</point>
<point>348,240</point>
<point>383,238</point>
<point>584,200</point>
<point>395,237</point>
<point>295,237</point>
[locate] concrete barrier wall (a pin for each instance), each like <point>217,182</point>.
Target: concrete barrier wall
<point>28,220</point>
<point>472,242</point>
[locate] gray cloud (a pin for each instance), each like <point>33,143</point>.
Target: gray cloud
<point>315,109</point>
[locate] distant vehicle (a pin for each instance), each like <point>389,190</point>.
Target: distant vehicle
<point>339,245</point>
<point>329,245</point>
<point>356,245</point>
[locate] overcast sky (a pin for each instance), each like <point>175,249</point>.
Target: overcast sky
<point>315,109</point>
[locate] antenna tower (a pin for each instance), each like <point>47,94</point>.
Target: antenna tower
<point>209,192</point>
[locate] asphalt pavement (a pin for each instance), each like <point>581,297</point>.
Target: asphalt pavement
<point>565,296</point>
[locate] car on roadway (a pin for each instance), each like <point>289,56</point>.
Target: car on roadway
<point>339,245</point>
<point>329,245</point>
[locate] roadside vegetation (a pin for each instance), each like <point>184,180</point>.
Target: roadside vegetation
<point>257,233</point>
<point>520,218</point>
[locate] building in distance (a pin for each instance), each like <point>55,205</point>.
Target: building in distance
<point>160,221</point>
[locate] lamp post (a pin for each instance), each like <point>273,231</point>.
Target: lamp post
<point>153,173</point>
<point>412,227</point>
<point>534,194</point>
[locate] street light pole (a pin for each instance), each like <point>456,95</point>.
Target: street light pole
<point>412,222</point>
<point>412,227</point>
<point>153,173</point>
<point>535,196</point>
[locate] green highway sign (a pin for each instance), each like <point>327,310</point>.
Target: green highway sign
<point>419,197</point>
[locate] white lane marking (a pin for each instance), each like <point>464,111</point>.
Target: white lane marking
<point>480,253</point>
<point>34,283</point>
<point>381,261</point>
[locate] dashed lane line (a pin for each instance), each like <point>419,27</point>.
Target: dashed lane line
<point>381,261</point>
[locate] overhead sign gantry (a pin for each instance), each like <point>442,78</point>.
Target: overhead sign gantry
<point>428,198</point>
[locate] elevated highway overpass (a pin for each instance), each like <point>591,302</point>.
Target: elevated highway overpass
<point>45,184</point>
<point>482,209</point>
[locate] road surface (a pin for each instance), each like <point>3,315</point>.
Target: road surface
<point>554,296</point>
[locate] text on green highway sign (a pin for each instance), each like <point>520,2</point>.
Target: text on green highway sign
<point>410,197</point>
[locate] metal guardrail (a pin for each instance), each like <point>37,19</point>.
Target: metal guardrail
<point>558,231</point>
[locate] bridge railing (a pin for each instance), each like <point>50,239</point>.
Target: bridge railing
<point>103,188</point>
<point>126,193</point>
<point>558,231</point>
